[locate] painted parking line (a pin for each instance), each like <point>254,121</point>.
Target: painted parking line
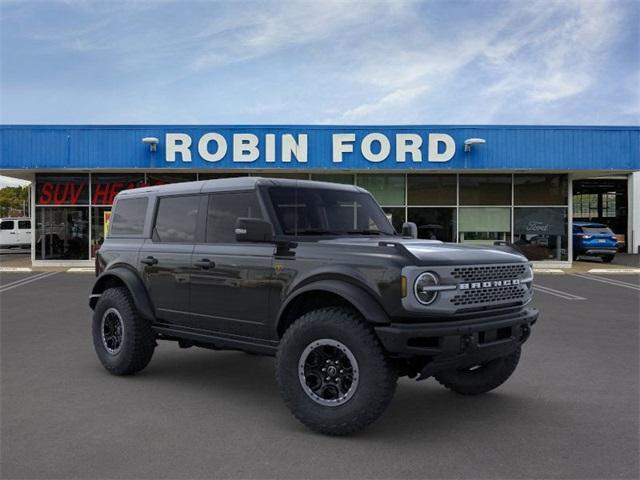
<point>614,270</point>
<point>557,293</point>
<point>24,281</point>
<point>615,283</point>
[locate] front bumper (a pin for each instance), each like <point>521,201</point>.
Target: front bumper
<point>459,344</point>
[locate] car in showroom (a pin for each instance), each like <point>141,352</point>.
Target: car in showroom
<point>594,240</point>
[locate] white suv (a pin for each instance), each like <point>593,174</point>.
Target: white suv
<point>15,232</point>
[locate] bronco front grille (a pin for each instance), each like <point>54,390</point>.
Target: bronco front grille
<point>512,293</point>
<point>489,272</point>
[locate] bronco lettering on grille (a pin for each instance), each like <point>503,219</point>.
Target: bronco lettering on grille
<point>491,284</point>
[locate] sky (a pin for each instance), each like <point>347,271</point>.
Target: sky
<point>320,62</point>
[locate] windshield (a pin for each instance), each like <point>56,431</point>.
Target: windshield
<point>323,211</point>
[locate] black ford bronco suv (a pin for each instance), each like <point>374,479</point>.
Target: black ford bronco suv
<point>314,274</point>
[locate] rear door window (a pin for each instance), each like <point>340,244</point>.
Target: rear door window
<point>24,224</point>
<point>7,225</point>
<point>176,219</point>
<point>128,216</point>
<point>223,212</point>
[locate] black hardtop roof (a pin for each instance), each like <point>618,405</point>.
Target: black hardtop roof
<point>231,184</point>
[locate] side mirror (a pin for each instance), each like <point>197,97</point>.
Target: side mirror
<point>253,230</point>
<point>409,229</point>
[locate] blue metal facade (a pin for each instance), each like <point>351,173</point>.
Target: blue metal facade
<point>549,148</point>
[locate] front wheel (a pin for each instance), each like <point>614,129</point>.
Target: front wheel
<point>480,378</point>
<point>333,373</point>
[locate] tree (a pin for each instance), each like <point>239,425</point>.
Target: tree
<point>14,201</point>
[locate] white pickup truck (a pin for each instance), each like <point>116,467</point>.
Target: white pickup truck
<point>15,232</point>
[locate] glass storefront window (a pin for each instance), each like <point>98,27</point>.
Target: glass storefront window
<point>62,189</point>
<point>333,178</point>
<point>434,223</point>
<point>486,189</point>
<point>484,225</point>
<point>214,176</point>
<point>387,189</point>
<point>104,187</point>
<point>99,224</point>
<point>432,190</point>
<point>395,216</point>
<point>164,178</point>
<point>541,233</point>
<point>62,233</point>
<point>540,189</point>
<point>292,176</point>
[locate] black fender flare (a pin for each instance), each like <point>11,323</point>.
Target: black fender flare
<point>132,281</point>
<point>363,301</point>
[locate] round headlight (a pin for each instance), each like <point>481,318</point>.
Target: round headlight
<point>423,288</point>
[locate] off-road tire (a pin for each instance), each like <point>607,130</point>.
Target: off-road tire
<point>481,380</point>
<point>377,374</point>
<point>138,341</point>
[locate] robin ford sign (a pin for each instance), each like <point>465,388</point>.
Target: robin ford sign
<point>288,148</point>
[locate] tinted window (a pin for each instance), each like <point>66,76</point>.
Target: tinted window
<point>432,190</point>
<point>485,189</point>
<point>315,211</point>
<point>6,225</point>
<point>224,210</point>
<point>128,216</point>
<point>540,189</point>
<point>176,219</point>
<point>62,189</point>
<point>24,224</point>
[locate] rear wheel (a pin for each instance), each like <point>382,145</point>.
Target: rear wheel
<point>480,378</point>
<point>122,339</point>
<point>333,373</point>
<point>607,258</point>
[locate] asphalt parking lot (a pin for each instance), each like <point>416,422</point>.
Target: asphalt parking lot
<point>569,411</point>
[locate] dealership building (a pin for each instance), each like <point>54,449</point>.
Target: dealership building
<point>470,184</point>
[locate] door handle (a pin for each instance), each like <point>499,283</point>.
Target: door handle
<point>204,263</point>
<point>149,261</point>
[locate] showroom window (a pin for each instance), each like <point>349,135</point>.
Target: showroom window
<point>164,178</point>
<point>432,190</point>
<point>434,223</point>
<point>540,189</point>
<point>541,233</point>
<point>104,187</point>
<point>62,217</point>
<point>486,189</point>
<point>388,190</point>
<point>333,178</point>
<point>432,201</point>
<point>484,225</point>
<point>62,233</point>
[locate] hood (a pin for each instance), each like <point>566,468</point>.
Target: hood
<point>434,252</point>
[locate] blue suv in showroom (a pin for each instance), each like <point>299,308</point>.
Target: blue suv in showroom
<point>594,239</point>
